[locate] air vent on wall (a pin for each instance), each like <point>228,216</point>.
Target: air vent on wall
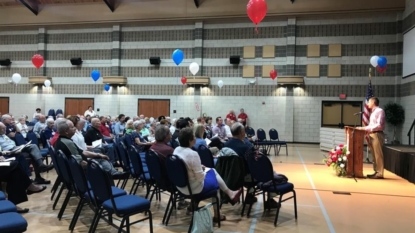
<point>38,79</point>
<point>198,80</point>
<point>290,80</point>
<point>121,80</point>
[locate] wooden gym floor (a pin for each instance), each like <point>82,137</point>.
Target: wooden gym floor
<point>364,206</point>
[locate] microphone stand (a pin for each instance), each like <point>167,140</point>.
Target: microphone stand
<point>354,128</point>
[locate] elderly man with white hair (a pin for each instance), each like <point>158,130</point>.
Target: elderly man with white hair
<point>40,125</point>
<point>11,129</point>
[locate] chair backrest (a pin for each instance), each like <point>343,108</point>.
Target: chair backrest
<point>78,176</point>
<point>99,181</point>
<point>177,172</point>
<point>273,134</point>
<point>43,139</point>
<point>136,162</point>
<point>174,143</point>
<point>128,141</point>
<point>19,139</point>
<point>31,136</point>
<point>51,113</point>
<point>157,170</point>
<point>261,135</point>
<point>206,156</point>
<point>119,150</point>
<point>66,175</point>
<point>59,111</point>
<point>250,131</point>
<point>260,168</point>
<point>53,156</point>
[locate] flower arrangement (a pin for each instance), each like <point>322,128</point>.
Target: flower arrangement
<point>337,158</point>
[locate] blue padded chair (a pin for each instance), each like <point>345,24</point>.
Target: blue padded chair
<point>177,172</point>
<point>12,222</point>
<point>58,180</point>
<point>140,175</point>
<point>19,139</point>
<point>82,189</point>
<point>122,206</point>
<point>59,111</point>
<point>262,172</point>
<point>125,162</point>
<point>262,140</point>
<point>52,113</point>
<point>206,156</point>
<point>7,206</point>
<point>66,179</point>
<point>31,136</point>
<point>250,131</point>
<point>2,196</point>
<point>276,143</point>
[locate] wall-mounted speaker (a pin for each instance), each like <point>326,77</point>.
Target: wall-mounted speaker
<point>155,60</point>
<point>235,60</point>
<point>5,62</point>
<point>76,61</point>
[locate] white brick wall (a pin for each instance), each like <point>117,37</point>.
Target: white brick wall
<point>409,8</point>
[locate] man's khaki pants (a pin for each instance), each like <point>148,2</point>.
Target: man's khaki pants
<point>376,149</point>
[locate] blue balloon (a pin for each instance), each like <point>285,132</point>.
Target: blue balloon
<point>107,87</point>
<point>382,62</point>
<point>95,75</point>
<point>178,56</point>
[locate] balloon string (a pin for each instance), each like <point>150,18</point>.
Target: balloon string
<point>256,29</point>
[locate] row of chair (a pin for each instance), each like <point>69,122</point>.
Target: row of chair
<point>10,220</point>
<point>262,141</point>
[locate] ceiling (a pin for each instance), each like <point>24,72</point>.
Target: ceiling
<point>5,3</point>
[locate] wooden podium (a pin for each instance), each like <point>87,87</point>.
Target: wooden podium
<point>354,143</point>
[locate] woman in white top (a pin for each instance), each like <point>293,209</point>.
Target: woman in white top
<point>90,112</point>
<point>199,176</point>
<point>78,137</point>
<point>22,126</point>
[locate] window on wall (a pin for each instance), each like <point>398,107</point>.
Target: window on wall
<point>337,114</point>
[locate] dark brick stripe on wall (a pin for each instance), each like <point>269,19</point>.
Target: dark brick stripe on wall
<point>408,22</point>
<point>84,54</point>
<point>95,37</point>
<point>18,39</point>
<point>244,33</point>
<point>357,49</point>
<point>17,55</point>
<point>407,89</point>
<point>213,90</point>
<point>363,29</point>
<point>147,53</point>
<point>167,35</point>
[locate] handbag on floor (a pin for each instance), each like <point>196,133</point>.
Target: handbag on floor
<point>202,220</point>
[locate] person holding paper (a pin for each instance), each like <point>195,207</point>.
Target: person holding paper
<point>199,131</point>
<point>18,184</point>
<point>7,144</point>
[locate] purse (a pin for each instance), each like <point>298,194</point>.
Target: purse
<point>202,220</point>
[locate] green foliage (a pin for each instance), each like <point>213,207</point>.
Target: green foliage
<point>395,114</point>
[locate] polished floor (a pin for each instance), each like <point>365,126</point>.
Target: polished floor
<point>369,206</point>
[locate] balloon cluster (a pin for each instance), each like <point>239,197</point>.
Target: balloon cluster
<point>379,63</point>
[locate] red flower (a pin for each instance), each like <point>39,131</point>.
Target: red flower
<point>339,152</point>
<point>341,145</point>
<point>334,158</point>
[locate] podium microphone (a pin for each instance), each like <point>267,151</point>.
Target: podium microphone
<point>357,113</point>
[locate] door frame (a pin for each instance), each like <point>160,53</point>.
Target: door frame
<point>341,114</point>
<point>138,104</point>
<point>93,101</point>
<point>8,106</point>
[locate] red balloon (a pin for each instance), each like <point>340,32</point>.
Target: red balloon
<point>184,80</point>
<point>256,9</point>
<point>380,69</point>
<point>273,74</point>
<point>37,60</point>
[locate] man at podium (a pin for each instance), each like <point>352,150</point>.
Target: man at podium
<point>377,138</point>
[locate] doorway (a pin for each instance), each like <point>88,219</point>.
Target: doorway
<point>338,114</point>
<point>75,106</point>
<point>4,105</point>
<point>153,107</point>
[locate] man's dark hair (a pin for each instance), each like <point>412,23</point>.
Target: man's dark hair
<point>38,109</point>
<point>217,118</point>
<point>375,100</point>
<point>188,119</point>
<point>120,116</point>
<point>102,117</point>
<point>181,124</point>
<point>185,136</point>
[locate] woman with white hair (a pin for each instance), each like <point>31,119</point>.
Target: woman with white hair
<point>22,126</point>
<point>129,128</point>
<point>138,141</point>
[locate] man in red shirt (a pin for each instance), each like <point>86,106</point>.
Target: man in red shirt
<point>243,117</point>
<point>105,129</point>
<point>231,115</point>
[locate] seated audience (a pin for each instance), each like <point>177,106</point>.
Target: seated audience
<point>138,141</point>
<point>199,131</point>
<point>22,126</point>
<point>40,125</point>
<point>49,130</point>
<point>90,112</point>
<point>11,129</point>
<point>18,184</point>
<point>200,178</point>
<point>120,125</point>
<point>55,137</point>
<point>105,129</point>
<point>129,128</point>
<point>228,124</point>
<point>243,117</point>
<point>37,113</point>
<point>7,144</point>
<point>161,146</point>
<point>231,115</point>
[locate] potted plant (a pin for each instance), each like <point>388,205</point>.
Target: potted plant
<point>395,115</point>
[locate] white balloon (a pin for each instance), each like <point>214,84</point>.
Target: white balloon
<point>220,83</point>
<point>16,78</point>
<point>374,61</point>
<point>194,68</point>
<point>47,83</point>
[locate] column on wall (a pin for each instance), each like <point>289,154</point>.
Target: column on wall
<point>116,54</point>
<point>290,70</point>
<point>41,49</point>
<point>198,58</point>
